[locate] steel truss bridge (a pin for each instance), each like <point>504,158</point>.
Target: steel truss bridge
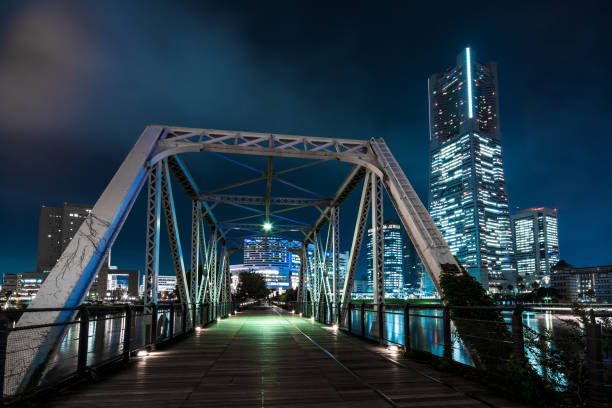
<point>155,163</point>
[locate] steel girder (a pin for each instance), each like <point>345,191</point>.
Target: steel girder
<point>70,279</point>
<point>152,238</point>
<point>301,289</point>
<point>261,200</point>
<point>358,234</point>
<point>378,247</point>
<point>349,184</point>
<point>173,236</point>
<point>431,247</point>
<point>336,262</point>
<point>196,215</point>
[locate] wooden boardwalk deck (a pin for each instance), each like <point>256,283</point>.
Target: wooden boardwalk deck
<point>262,359</point>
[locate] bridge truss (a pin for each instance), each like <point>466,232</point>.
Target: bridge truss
<point>155,161</point>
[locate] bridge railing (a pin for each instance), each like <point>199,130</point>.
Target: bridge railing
<point>96,338</point>
<point>526,334</point>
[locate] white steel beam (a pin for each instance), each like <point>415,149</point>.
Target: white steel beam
<point>152,239</point>
<point>68,282</point>
<point>174,237</point>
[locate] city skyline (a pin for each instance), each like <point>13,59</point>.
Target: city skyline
<point>538,116</point>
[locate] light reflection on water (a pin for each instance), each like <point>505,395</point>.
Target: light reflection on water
<point>427,333</point>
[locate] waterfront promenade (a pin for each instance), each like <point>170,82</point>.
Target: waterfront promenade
<point>266,358</point>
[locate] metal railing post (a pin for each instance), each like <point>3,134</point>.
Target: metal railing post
<point>83,341</point>
<point>349,320</point>
<point>127,334</point>
<point>153,325</point>
<point>171,323</point>
<point>194,315</point>
<point>517,334</point>
<point>596,393</point>
<point>363,333</point>
<point>407,345</point>
<point>380,316</point>
<point>4,332</point>
<point>448,346</point>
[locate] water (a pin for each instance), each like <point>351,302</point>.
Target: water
<point>427,331</point>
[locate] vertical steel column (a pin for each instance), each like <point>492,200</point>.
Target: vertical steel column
<point>378,255</point>
<point>152,238</point>
<point>335,265</point>
<point>301,286</point>
<point>358,234</point>
<point>195,255</point>
<point>173,235</point>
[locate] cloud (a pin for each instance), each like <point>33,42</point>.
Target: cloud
<point>47,59</point>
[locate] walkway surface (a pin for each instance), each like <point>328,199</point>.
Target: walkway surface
<point>261,358</point>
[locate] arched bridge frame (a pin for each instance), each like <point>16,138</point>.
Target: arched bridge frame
<point>156,156</point>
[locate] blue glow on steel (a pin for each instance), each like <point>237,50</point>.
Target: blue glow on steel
<point>469,81</point>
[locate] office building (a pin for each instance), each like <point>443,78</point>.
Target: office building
<point>166,283</point>
<point>273,257</point>
<point>393,248</point>
<point>467,188</point>
<point>536,244</point>
<point>588,284</point>
<point>56,228</point>
<point>417,282</point>
<point>23,286</point>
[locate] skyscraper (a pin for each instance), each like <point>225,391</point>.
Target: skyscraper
<point>467,187</point>
<point>394,257</point>
<point>536,243</point>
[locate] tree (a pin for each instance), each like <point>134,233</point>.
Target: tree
<point>290,295</point>
<point>251,285</point>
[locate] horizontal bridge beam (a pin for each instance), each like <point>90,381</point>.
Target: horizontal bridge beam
<point>261,200</point>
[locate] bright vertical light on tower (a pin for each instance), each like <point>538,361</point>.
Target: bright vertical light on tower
<point>267,226</point>
<point>469,80</point>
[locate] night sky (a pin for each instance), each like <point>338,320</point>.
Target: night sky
<point>80,80</point>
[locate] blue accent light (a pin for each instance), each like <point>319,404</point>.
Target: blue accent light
<point>469,80</point>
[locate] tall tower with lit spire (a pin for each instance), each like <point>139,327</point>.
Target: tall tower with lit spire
<point>467,187</point>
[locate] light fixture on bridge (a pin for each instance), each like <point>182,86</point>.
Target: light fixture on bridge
<point>393,348</point>
<point>293,312</point>
<point>142,353</point>
<point>267,226</point>
<point>312,318</point>
<point>218,319</point>
<point>300,314</point>
<point>198,328</point>
<point>335,327</point>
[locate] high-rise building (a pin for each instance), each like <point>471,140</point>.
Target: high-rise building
<point>467,188</point>
<point>393,248</point>
<point>273,258</point>
<point>56,228</point>
<point>536,243</point>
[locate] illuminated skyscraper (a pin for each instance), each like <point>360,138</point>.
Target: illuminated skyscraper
<point>536,243</point>
<point>467,195</point>
<point>394,258</point>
